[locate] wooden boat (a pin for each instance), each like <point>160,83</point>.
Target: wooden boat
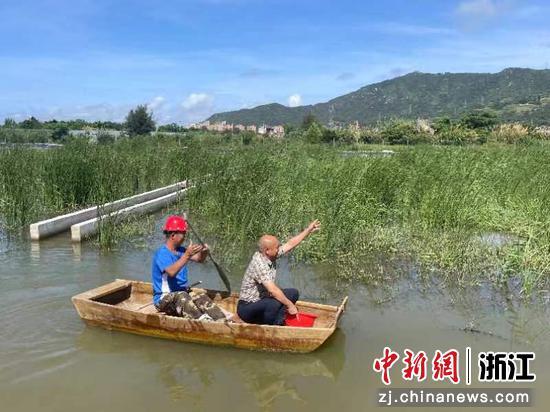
<point>126,305</point>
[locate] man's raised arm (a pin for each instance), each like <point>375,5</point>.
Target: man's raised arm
<point>296,240</point>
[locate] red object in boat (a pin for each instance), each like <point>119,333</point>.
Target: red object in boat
<point>302,319</point>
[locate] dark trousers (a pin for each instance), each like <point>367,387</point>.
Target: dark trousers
<point>266,311</point>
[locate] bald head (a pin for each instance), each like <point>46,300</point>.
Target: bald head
<point>268,242</point>
<point>269,247</point>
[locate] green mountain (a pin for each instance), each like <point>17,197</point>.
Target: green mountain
<point>514,94</point>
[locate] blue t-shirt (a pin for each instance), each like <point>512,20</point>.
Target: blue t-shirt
<point>162,282</point>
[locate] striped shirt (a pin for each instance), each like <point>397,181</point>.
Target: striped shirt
<point>259,270</point>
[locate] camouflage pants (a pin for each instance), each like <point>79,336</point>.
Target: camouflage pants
<point>183,305</point>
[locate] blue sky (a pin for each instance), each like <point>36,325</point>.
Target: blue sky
<point>188,59</point>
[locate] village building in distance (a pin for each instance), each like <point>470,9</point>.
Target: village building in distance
<point>265,130</point>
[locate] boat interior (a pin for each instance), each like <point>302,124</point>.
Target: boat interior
<point>137,296</point>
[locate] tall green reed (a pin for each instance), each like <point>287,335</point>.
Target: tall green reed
<point>431,203</point>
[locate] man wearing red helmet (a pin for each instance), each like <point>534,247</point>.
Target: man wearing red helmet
<point>169,270</point>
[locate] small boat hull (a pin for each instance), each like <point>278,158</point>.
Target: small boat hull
<point>126,305</point>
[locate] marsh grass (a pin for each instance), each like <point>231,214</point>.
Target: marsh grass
<point>425,204</point>
<point>114,233</point>
<point>38,184</point>
<point>430,204</point>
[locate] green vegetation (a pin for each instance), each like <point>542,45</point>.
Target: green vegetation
<point>172,128</point>
<point>139,122</point>
<point>78,124</point>
<point>435,206</point>
<point>478,127</point>
<point>36,184</point>
<point>514,94</point>
<point>12,135</point>
<point>112,233</point>
<point>59,134</point>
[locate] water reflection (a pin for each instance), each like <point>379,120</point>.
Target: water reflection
<point>272,378</point>
<point>188,371</point>
<point>77,251</point>
<point>35,251</point>
<point>55,246</point>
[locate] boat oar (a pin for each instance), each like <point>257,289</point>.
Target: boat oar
<point>221,272</point>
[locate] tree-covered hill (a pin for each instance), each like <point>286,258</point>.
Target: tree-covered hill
<point>514,94</point>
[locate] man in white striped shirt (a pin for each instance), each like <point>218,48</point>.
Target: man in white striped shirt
<point>261,301</point>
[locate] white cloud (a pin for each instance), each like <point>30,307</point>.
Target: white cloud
<point>15,116</point>
<point>488,9</point>
<point>198,102</point>
<point>196,106</point>
<point>479,14</point>
<point>295,100</point>
<point>92,112</point>
<point>156,103</point>
<point>478,8</point>
<point>101,111</point>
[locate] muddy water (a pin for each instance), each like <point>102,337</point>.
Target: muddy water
<point>51,361</point>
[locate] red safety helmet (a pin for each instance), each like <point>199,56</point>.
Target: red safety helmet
<point>175,223</point>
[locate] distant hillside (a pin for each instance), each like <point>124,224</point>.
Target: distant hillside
<point>515,94</point>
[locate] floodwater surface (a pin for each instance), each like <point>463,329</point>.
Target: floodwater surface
<point>51,361</point>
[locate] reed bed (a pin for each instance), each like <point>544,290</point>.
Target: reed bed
<point>37,184</point>
<point>438,207</point>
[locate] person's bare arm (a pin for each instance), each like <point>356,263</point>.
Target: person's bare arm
<point>296,240</point>
<point>278,294</point>
<point>190,252</point>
